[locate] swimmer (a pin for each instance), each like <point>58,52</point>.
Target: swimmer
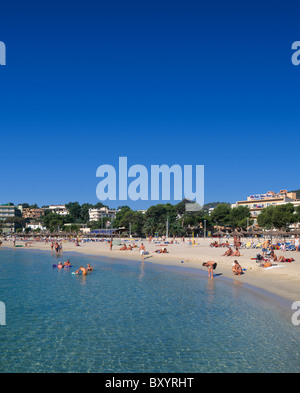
<point>89,268</point>
<point>60,266</point>
<point>83,270</point>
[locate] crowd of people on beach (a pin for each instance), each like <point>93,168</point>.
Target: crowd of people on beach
<point>269,251</point>
<point>57,247</point>
<point>266,260</point>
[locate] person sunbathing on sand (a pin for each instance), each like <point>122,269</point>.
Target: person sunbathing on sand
<point>161,251</point>
<point>237,268</point>
<point>267,264</point>
<point>228,252</point>
<point>236,253</point>
<point>273,256</point>
<point>283,259</point>
<point>124,248</point>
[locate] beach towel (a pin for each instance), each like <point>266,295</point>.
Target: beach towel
<point>272,267</point>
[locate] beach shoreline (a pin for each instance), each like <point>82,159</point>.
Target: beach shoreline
<point>282,281</point>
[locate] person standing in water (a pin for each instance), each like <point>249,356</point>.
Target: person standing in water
<point>142,251</point>
<point>211,266</point>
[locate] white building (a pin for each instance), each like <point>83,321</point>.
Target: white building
<point>95,214</point>
<point>58,209</point>
<point>34,227</point>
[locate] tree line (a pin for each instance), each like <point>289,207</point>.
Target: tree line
<point>167,218</point>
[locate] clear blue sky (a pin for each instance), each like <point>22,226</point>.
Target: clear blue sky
<point>160,82</point>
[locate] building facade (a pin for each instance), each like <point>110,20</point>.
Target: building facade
<point>8,211</point>
<point>58,209</point>
<point>97,214</point>
<point>257,202</point>
<point>33,214</point>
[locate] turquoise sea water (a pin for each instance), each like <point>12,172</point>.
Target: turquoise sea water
<point>130,317</point>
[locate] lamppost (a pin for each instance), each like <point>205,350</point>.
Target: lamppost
<point>167,228</point>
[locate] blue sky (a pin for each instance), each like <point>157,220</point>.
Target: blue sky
<point>160,82</point>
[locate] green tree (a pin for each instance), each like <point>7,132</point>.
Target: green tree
<point>54,222</point>
<point>239,216</point>
<point>277,216</point>
<point>85,212</point>
<point>19,222</point>
<point>297,214</point>
<point>221,214</point>
<point>149,227</point>
<point>160,214</point>
<point>118,222</point>
<point>74,209</point>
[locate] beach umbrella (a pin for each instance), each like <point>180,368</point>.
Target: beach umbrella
<point>285,234</point>
<point>236,233</point>
<point>272,233</point>
<point>261,233</point>
<point>219,233</point>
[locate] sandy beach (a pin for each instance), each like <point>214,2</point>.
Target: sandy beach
<point>282,280</point>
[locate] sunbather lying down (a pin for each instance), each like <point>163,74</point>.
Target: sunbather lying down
<point>161,251</point>
<point>283,259</point>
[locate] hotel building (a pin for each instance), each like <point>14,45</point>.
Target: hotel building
<point>8,211</point>
<point>257,202</point>
<point>97,214</point>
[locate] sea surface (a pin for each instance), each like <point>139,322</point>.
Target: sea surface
<point>127,316</point>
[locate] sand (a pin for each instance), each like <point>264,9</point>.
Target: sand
<point>282,280</point>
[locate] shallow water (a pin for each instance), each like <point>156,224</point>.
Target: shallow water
<point>130,317</point>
